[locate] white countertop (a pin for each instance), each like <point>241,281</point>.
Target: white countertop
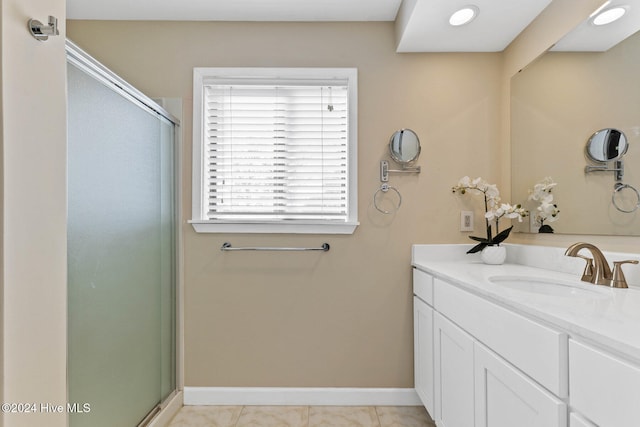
<point>604,316</point>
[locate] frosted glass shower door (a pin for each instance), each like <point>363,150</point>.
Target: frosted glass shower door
<point>121,256</point>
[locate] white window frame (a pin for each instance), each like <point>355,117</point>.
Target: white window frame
<point>201,76</point>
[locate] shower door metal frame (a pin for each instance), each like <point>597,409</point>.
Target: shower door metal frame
<point>82,60</point>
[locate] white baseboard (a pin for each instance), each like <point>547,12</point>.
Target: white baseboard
<point>323,396</point>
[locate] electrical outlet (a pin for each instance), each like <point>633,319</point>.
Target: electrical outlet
<point>466,221</point>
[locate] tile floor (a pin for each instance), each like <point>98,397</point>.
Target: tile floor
<point>302,416</point>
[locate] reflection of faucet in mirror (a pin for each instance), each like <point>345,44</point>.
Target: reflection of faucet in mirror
<point>599,272</point>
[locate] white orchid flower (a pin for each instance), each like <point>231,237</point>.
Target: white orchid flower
<point>548,183</point>
<point>478,182</point>
<point>494,209</point>
<point>547,211</point>
<point>548,199</point>
<point>508,211</point>
<point>465,181</point>
<point>542,189</point>
<point>492,191</point>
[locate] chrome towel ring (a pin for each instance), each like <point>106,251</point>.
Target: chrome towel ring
<point>384,188</point>
<point>616,190</point>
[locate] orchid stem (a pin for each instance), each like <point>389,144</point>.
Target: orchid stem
<point>486,220</point>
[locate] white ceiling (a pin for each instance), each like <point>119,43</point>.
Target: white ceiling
<point>496,25</point>
<point>421,25</point>
<point>235,10</point>
<point>589,37</point>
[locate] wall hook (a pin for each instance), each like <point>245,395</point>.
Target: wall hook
<point>42,32</point>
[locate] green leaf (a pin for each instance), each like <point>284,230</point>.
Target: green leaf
<point>501,236</point>
<point>477,248</point>
<point>545,228</point>
<point>480,239</point>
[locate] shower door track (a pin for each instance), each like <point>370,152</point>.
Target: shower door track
<point>84,61</point>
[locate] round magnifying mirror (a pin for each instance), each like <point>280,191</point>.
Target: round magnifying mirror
<point>607,145</point>
<point>404,146</point>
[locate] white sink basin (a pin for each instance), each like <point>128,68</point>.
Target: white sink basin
<point>550,287</point>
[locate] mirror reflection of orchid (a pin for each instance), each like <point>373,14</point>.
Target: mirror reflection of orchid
<point>494,210</point>
<point>547,211</point>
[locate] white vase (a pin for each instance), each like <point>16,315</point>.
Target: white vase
<point>494,254</point>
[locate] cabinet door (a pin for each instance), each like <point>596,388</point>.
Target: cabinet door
<point>604,388</point>
<point>423,352</point>
<point>505,397</point>
<point>453,350</point>
<point>576,420</point>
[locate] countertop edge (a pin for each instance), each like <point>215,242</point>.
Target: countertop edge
<point>554,317</point>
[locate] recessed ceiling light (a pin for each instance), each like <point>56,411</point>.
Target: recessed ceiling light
<point>464,15</point>
<point>609,15</point>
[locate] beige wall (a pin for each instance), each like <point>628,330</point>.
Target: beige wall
<point>556,20</point>
<point>34,212</point>
<point>341,318</point>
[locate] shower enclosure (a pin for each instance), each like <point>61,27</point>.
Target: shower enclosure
<point>121,249</point>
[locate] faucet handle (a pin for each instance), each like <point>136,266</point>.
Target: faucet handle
<point>619,281</point>
<point>587,274</point>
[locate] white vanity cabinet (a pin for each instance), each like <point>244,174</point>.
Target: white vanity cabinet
<point>509,353</point>
<point>604,388</point>
<point>423,338</point>
<point>575,420</point>
<point>453,366</point>
<point>537,350</point>
<point>505,397</point>
<point>488,362</point>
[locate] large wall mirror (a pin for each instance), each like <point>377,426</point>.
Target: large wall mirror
<point>557,103</point>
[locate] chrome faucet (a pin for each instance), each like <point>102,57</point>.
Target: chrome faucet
<point>597,270</point>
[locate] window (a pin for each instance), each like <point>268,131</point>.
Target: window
<point>275,150</point>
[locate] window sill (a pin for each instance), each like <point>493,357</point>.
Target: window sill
<point>275,228</point>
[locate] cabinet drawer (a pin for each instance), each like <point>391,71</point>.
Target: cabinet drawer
<point>603,388</point>
<point>538,351</point>
<point>423,286</point>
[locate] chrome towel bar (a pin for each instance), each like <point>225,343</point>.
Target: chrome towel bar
<point>226,246</point>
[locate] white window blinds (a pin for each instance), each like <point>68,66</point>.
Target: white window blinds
<point>275,152</point>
